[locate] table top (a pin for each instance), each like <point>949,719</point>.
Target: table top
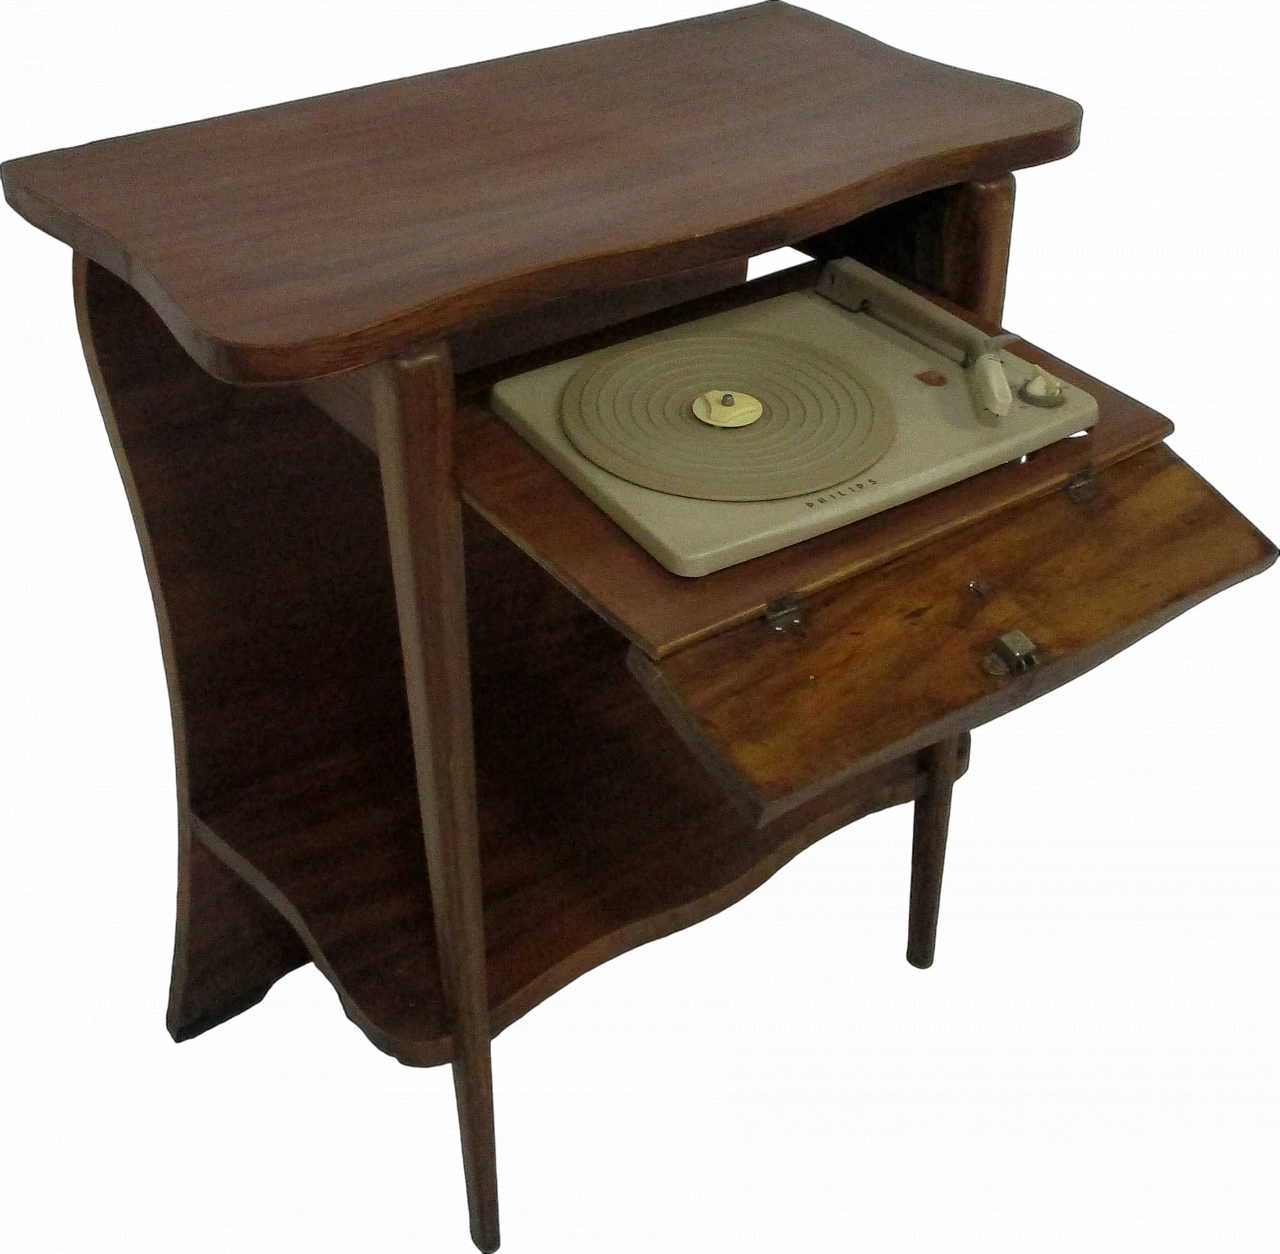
<point>322,235</point>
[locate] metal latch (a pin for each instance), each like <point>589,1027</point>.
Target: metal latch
<point>784,615</point>
<point>1082,487</point>
<point>1013,654</point>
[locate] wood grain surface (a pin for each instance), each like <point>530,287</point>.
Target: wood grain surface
<point>314,237</point>
<point>891,662</point>
<point>509,335</point>
<point>953,242</point>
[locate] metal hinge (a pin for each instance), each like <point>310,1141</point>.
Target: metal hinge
<point>784,615</point>
<point>1082,487</point>
<point>1013,654</point>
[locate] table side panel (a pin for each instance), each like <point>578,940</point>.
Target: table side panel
<point>272,567</point>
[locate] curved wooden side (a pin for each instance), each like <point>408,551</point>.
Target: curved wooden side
<point>228,633</point>
<point>227,950</point>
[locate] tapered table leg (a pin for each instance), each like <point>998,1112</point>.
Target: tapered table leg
<point>413,415</point>
<point>929,849</point>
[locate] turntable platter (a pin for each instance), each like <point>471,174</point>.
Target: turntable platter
<point>631,411</point>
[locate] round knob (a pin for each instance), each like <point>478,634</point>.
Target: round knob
<point>1043,384</point>
<point>1042,389</point>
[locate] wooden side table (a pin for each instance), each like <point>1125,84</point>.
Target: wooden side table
<point>441,727</point>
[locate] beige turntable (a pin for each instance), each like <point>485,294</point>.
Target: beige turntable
<point>741,433</point>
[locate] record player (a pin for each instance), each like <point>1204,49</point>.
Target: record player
<point>740,433</point>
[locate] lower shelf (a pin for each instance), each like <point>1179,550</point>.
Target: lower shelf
<point>599,831</point>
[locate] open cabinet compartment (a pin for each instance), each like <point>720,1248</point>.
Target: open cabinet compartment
<point>599,830</point>
<point>265,536</point>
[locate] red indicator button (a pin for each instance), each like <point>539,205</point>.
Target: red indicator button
<point>932,378</point>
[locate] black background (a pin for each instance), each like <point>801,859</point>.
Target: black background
<point>1105,883</point>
